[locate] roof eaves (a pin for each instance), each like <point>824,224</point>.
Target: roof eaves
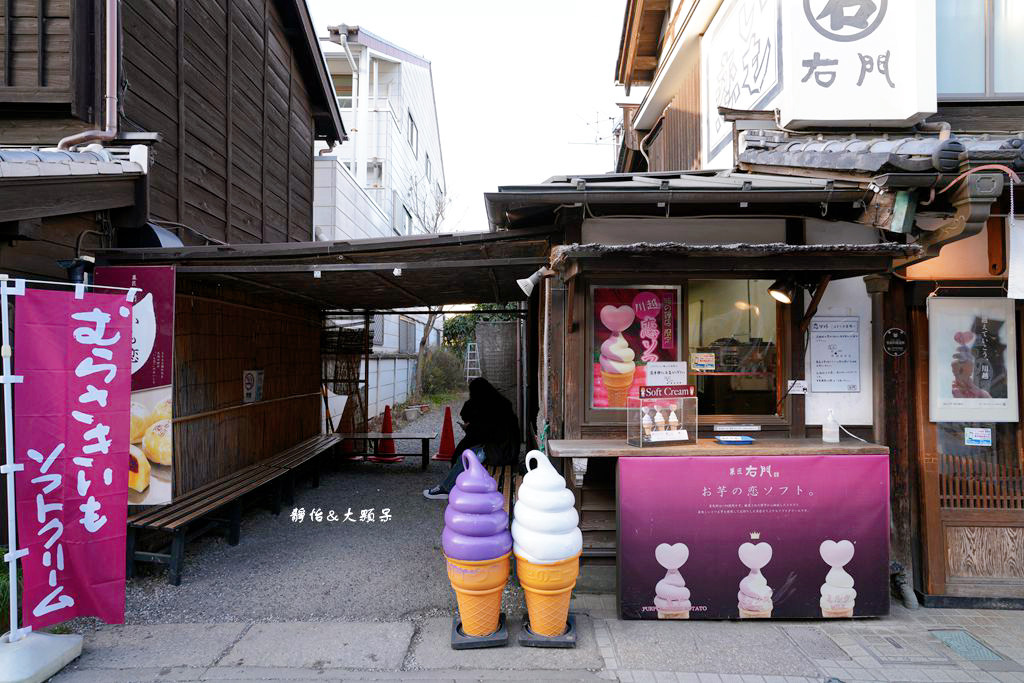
<point>327,122</point>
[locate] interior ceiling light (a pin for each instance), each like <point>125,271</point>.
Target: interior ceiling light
<point>783,291</point>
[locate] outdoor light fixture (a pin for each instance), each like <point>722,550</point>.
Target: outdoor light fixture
<point>528,283</point>
<point>783,291</point>
<point>397,272</point>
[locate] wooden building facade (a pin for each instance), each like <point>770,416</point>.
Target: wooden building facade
<point>219,105</point>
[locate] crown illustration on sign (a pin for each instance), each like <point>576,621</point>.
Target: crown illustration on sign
<point>755,535</point>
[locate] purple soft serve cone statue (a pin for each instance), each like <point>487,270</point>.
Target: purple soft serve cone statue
<point>475,525</point>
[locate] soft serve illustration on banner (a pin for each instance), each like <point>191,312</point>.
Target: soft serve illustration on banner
<point>672,597</point>
<point>837,593</point>
<point>755,596</point>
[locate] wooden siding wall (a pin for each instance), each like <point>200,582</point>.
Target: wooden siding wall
<point>26,72</point>
<point>221,82</point>
<point>676,147</point>
<point>53,240</point>
<point>981,117</point>
<point>220,333</point>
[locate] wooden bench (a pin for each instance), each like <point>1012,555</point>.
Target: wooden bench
<point>181,518</point>
<point>508,479</point>
<point>376,437</point>
<point>296,457</point>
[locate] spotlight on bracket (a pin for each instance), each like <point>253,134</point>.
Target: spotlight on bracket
<point>783,291</point>
<point>527,284</point>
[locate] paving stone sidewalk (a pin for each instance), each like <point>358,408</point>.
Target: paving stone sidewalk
<point>924,645</point>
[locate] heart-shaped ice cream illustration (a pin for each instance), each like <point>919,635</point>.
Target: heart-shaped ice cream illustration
<point>755,555</point>
<point>672,556</point>
<point>836,554</point>
<point>618,318</point>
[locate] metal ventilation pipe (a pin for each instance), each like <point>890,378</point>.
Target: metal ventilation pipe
<point>110,86</point>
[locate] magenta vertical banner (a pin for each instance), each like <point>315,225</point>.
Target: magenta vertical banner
<point>758,536</point>
<point>71,422</point>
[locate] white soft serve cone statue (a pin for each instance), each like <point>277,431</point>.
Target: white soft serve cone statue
<point>547,544</point>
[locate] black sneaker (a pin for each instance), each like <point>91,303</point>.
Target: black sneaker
<point>435,493</point>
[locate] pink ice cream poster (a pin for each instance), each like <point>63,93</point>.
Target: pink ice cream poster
<point>631,328</point>
<point>753,537</point>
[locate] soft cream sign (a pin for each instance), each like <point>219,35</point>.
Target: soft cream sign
<point>857,62</point>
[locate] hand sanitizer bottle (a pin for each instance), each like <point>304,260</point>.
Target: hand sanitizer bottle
<point>830,429</point>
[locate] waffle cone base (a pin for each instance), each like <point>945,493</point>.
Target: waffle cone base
<point>478,588</point>
<point>548,589</point>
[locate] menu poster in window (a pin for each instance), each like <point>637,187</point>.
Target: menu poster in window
<point>631,327</point>
<point>972,366</point>
<point>835,354</point>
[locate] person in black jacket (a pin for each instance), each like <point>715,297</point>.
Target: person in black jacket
<point>491,432</point>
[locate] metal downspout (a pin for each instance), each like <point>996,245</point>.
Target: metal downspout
<point>110,86</point>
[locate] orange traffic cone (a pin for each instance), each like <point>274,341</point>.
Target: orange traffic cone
<point>446,451</point>
<point>386,447</point>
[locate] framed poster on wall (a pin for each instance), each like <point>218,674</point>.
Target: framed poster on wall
<point>630,327</point>
<point>151,463</point>
<point>972,360</point>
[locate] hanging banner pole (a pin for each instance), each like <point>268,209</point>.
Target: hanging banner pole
<point>9,467</point>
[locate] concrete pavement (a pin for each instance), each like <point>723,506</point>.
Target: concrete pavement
<point>983,645</point>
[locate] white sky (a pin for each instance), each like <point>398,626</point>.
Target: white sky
<point>516,83</point>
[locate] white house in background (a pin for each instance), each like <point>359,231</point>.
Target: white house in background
<point>393,154</point>
<point>387,179</point>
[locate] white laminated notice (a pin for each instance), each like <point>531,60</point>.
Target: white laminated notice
<point>669,435</point>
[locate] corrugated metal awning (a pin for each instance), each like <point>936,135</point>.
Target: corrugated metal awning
<point>358,275</point>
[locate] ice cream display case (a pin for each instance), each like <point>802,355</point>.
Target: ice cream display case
<point>662,415</point>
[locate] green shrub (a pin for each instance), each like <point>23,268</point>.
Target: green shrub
<point>5,595</point>
<point>442,372</point>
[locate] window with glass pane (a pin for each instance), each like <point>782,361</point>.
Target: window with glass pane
<point>978,49</point>
<point>732,346</point>
<point>1007,46</point>
<point>960,46</point>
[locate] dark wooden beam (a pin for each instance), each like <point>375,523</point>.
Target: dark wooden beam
<point>180,65</point>
<point>38,197</point>
<point>229,114</point>
<point>812,308</point>
<point>41,43</point>
<point>359,267</point>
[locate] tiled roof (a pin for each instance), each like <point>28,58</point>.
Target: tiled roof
<point>878,154</point>
<point>29,163</point>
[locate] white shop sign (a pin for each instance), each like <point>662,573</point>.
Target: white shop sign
<point>819,62</point>
<point>741,65</point>
<point>857,62</point>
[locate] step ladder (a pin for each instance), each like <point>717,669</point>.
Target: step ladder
<point>472,362</point>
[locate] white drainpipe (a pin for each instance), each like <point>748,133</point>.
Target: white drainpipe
<point>110,88</point>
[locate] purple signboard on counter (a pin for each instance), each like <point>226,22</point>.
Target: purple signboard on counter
<point>741,537</point>
<point>152,454</point>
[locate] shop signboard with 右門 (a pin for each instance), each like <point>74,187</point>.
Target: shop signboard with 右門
<point>151,463</point>
<point>631,329</point>
<point>753,537</point>
<point>71,413</point>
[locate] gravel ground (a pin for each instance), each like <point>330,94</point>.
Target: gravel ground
<point>284,570</point>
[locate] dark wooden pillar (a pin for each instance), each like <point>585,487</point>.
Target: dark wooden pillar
<point>796,408</point>
<point>892,397</point>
